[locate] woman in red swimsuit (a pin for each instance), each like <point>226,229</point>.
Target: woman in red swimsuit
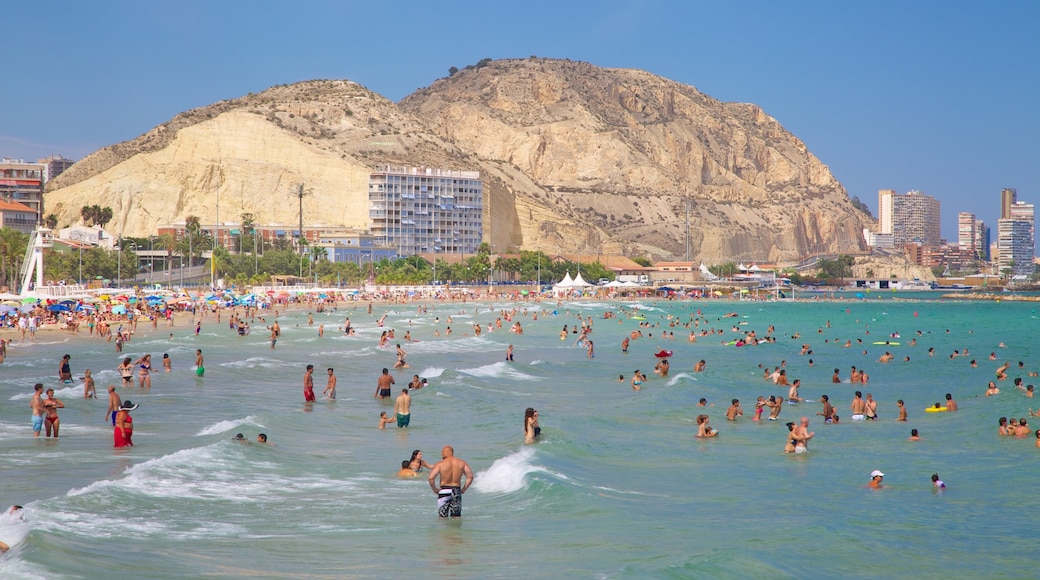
<point>123,432</point>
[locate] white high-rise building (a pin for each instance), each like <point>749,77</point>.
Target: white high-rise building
<point>884,197</point>
<point>1015,246</point>
<point>421,210</point>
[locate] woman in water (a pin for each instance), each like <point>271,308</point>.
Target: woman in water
<point>703,430</point>
<point>144,377</point>
<point>531,428</point>
<point>124,430</point>
<point>637,380</point>
<point>417,463</point>
<point>126,371</point>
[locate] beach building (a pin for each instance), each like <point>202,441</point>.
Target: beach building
<point>1015,246</point>
<point>420,210</point>
<point>22,182</point>
<point>17,216</point>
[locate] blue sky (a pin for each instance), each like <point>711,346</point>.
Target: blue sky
<point>937,96</point>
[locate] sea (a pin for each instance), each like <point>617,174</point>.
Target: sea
<point>617,486</point>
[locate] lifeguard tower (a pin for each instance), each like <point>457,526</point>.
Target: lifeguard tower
<point>42,238</point>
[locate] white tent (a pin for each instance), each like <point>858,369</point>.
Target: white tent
<point>567,282</point>
<point>629,285</point>
<point>613,284</point>
<point>706,273</point>
<point>579,282</point>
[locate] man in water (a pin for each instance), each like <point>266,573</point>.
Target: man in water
<point>383,385</point>
<point>330,388</point>
<point>36,404</point>
<point>858,407</point>
<point>403,408</point>
<point>275,332</point>
<point>875,479</point>
<point>951,405</point>
<point>801,432</point>
<point>308,384</point>
<point>114,402</point>
<point>200,369</point>
<point>828,409</point>
<point>451,469</point>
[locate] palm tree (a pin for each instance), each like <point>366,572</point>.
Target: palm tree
<point>51,221</point>
<point>13,244</point>
<point>87,214</point>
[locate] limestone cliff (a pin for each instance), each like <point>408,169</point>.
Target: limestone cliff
<point>630,150</point>
<point>574,158</point>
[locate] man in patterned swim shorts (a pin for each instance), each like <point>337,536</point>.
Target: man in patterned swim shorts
<point>451,470</point>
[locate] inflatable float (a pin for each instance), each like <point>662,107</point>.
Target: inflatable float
<point>935,410</point>
<point>664,354</point>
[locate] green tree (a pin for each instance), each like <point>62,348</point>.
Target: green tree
<point>13,244</point>
<point>452,70</point>
<point>51,221</point>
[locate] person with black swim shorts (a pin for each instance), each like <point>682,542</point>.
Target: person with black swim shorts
<point>451,471</point>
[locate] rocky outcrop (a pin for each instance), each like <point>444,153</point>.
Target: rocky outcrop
<point>632,151</point>
<point>574,158</point>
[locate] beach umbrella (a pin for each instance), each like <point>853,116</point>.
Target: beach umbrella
<point>5,309</point>
<point>29,300</point>
<point>58,308</point>
<point>524,292</point>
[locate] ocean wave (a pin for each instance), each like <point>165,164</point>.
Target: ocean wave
<point>507,474</point>
<point>257,361</point>
<point>431,373</point>
<point>225,426</point>
<point>680,376</point>
<point>500,369</point>
<point>217,472</point>
<point>72,391</point>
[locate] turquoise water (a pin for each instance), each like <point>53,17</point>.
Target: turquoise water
<point>617,487</point>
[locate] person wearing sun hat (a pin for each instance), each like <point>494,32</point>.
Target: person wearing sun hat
<point>875,479</point>
<point>124,429</point>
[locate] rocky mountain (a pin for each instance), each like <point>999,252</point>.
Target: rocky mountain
<point>574,158</point>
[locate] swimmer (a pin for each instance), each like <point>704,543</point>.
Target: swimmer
<point>734,411</point>
<point>902,410</point>
<point>875,479</point>
<point>991,389</point>
<point>51,405</point>
<point>330,387</point>
<point>828,409</point>
<point>88,385</point>
<point>400,364</point>
<point>406,471</point>
<point>703,430</point>
<point>637,380</point>
<point>858,407</point>
<point>699,367</point>
<point>951,405</point>
<point>914,436</point>
<point>383,419</point>
<point>383,385</point>
<point>936,482</point>
<point>402,409</point>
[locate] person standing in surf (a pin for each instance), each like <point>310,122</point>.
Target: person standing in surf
<point>308,384</point>
<point>449,492</point>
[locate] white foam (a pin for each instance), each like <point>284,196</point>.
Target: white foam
<point>256,361</point>
<point>679,377</point>
<point>70,391</point>
<point>225,426</point>
<point>213,472</point>
<point>500,369</point>
<point>507,474</point>
<point>431,373</point>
